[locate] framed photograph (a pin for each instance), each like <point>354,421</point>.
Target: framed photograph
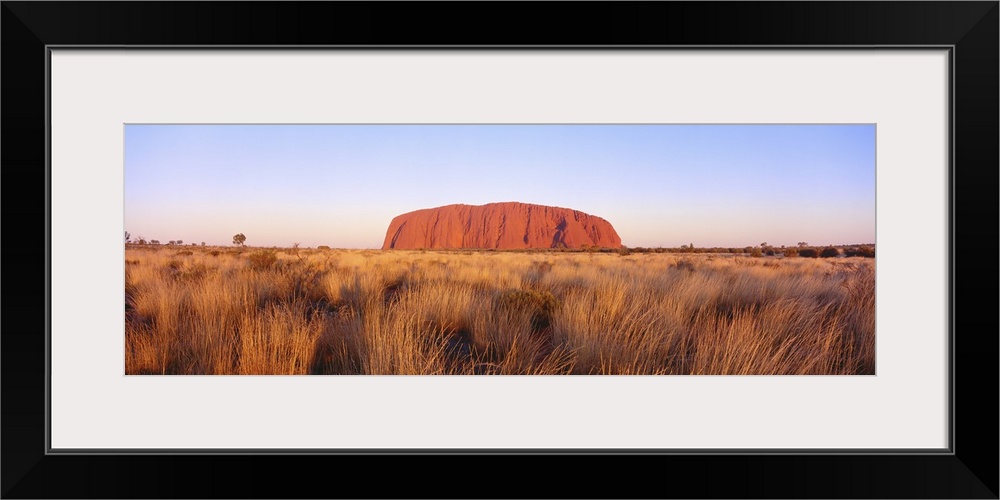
<point>351,246</point>
<point>473,285</point>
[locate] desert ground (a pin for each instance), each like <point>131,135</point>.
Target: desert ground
<point>290,311</point>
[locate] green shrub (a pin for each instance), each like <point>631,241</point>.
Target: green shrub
<point>865,251</point>
<point>808,252</point>
<point>755,252</point>
<point>829,252</point>
<point>791,252</point>
<point>262,259</point>
<point>322,247</point>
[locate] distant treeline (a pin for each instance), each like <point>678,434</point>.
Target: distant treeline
<point>867,250</point>
<point>854,250</point>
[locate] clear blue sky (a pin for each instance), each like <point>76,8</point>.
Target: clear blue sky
<point>658,185</point>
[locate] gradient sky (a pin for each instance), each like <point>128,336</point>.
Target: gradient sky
<point>658,185</point>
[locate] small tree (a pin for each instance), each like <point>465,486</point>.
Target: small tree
<point>128,237</point>
<point>154,242</point>
<point>239,239</point>
<point>172,242</point>
<point>180,242</point>
<point>755,252</point>
<point>803,244</point>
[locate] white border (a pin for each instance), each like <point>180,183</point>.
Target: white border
<point>95,92</point>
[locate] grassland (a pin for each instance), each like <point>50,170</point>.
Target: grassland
<point>246,311</point>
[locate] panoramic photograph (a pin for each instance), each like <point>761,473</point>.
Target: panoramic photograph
<point>499,249</point>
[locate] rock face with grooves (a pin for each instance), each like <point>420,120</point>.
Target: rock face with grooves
<point>508,225</point>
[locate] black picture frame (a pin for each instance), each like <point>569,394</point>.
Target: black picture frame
<point>968,470</point>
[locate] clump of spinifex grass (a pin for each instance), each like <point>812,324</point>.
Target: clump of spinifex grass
<point>368,312</point>
<point>540,305</point>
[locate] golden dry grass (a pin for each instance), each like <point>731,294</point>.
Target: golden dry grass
<point>418,313</point>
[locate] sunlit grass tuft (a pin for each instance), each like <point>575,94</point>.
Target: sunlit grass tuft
<point>368,312</point>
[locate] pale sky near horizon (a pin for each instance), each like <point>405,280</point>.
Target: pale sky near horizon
<point>658,185</point>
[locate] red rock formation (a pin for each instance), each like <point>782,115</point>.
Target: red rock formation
<point>499,225</point>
